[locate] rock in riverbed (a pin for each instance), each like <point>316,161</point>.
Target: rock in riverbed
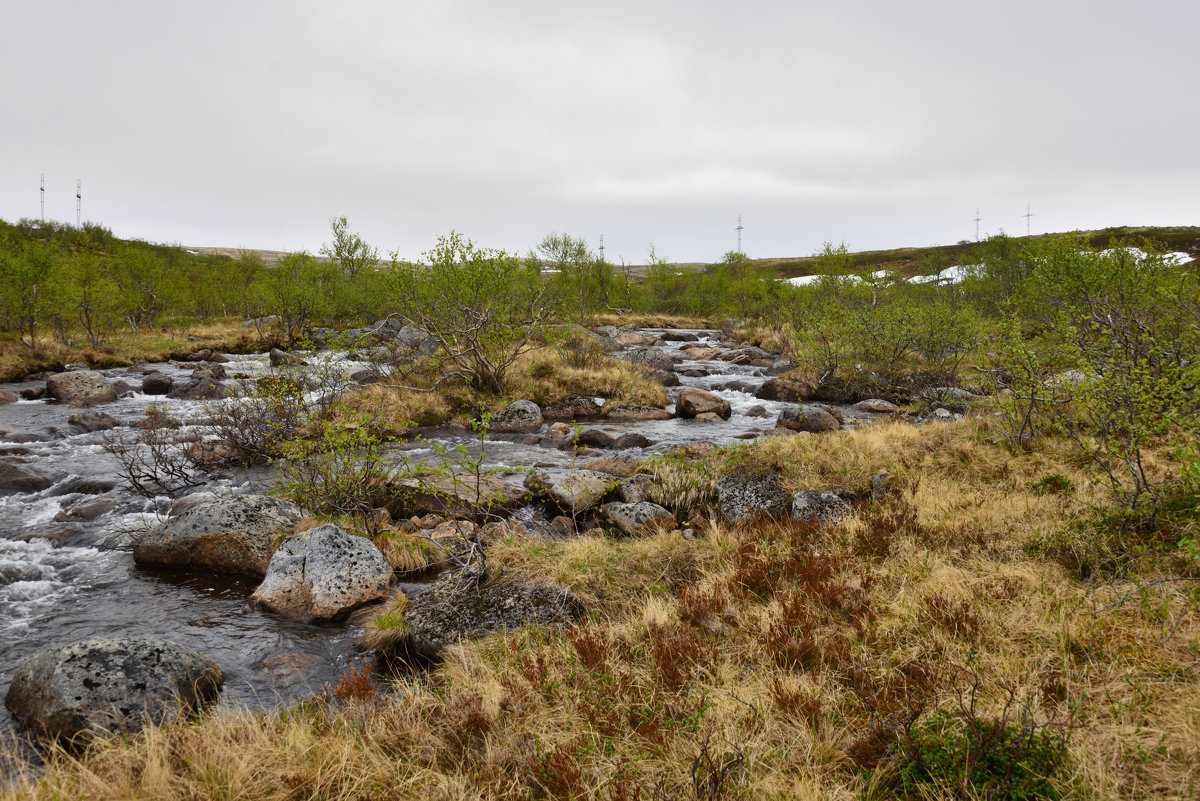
<point>693,402</point>
<point>85,387</point>
<point>111,685</point>
<point>520,417</point>
<point>224,535</point>
<point>323,574</point>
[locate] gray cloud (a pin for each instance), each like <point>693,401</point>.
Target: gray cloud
<point>880,124</point>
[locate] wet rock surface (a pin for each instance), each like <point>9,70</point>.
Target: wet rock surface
<point>83,387</point>
<point>110,685</point>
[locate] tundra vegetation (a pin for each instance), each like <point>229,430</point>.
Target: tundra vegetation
<point>1010,614</point>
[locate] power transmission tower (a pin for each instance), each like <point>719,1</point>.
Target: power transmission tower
<point>78,201</point>
<point>739,230</point>
<point>1027,215</point>
<point>601,248</point>
<point>977,219</point>
<point>43,197</point>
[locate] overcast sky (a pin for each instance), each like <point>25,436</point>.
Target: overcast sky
<point>881,124</point>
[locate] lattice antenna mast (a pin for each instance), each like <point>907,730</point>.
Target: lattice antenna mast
<point>601,248</point>
<point>739,230</point>
<point>78,202</point>
<point>977,219</point>
<point>1027,215</point>
<point>43,197</point>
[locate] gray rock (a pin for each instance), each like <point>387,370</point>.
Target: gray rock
<point>679,336</point>
<point>462,606</point>
<point>520,417</point>
<point>281,358</point>
<point>745,494</point>
<point>651,357</point>
<point>693,401</point>
<point>630,440</point>
<point>208,370</point>
<point>785,389</point>
<point>16,477</point>
<point>635,412</point>
<point>157,384</point>
<point>634,489</point>
<point>620,465</point>
<point>876,406</point>
<point>636,518</point>
<point>7,397</point>
<point>591,438</point>
<point>86,387</point>
<point>200,389</point>
<point>93,421</point>
<point>946,393</point>
<point>881,484</point>
<point>223,535</point>
<point>580,490</point>
<point>34,393</point>
<point>807,418</point>
<point>461,496</point>
<point>263,322</point>
<point>323,574</point>
<point>572,409</point>
<point>665,377</point>
<point>111,686</point>
<point>819,506</point>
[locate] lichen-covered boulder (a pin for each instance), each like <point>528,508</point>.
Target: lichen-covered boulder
<point>85,387</point>
<point>226,535</point>
<point>745,494</point>
<point>876,406</point>
<point>636,518</point>
<point>465,605</point>
<point>819,506</point>
<point>519,417</point>
<point>323,574</point>
<point>693,402</point>
<point>813,419</point>
<point>110,685</point>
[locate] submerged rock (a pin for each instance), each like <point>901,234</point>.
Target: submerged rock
<point>17,477</point>
<point>323,574</point>
<point>227,535</point>
<point>111,686</point>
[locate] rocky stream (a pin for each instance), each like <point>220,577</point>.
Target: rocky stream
<point>68,524</point>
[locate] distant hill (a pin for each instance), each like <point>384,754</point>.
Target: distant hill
<point>913,261</point>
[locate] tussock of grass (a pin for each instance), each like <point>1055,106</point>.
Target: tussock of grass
<point>774,661</point>
<point>387,630</point>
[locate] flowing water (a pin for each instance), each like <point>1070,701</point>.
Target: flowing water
<point>64,578</point>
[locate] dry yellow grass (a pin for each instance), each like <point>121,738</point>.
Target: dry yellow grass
<point>754,654</point>
<point>122,349</point>
<point>544,376</point>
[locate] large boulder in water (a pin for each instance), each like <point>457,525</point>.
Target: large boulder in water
<point>464,605</point>
<point>693,402</point>
<point>785,389</point>
<point>85,387</point>
<point>226,535</point>
<point>324,574</point>
<point>157,384</point>
<point>17,477</point>
<point>519,417</point>
<point>812,419</point>
<point>745,494</point>
<point>110,685</point>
